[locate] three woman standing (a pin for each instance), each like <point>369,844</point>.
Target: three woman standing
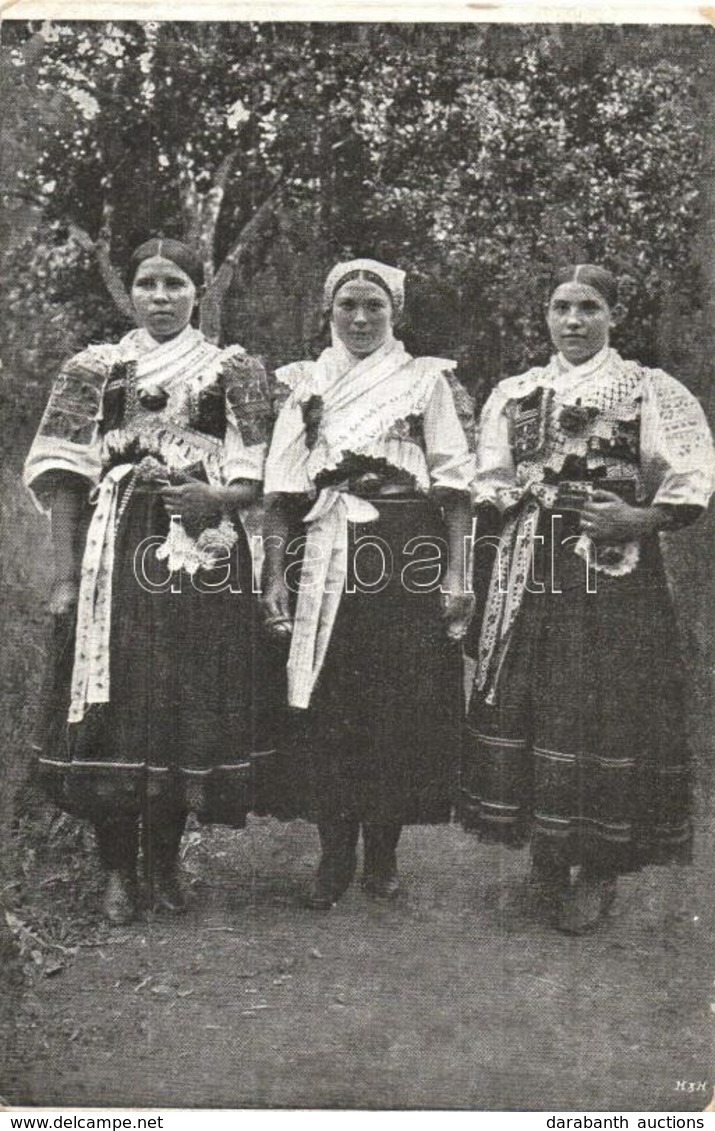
<point>367,517</point>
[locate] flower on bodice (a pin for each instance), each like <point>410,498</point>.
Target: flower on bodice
<point>312,410</point>
<point>149,469</point>
<point>410,427</point>
<point>152,397</point>
<point>574,419</point>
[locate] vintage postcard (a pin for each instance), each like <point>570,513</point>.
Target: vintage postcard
<point>358,639</point>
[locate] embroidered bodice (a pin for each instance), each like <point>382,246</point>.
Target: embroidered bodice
<point>612,423</point>
<point>616,424</point>
<point>186,405</point>
<point>406,421</point>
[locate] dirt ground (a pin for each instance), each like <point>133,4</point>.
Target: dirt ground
<point>457,996</point>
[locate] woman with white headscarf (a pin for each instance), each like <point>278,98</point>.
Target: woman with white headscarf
<point>367,492</point>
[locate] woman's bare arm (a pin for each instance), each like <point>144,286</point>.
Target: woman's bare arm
<point>68,512</point>
<point>283,522</point>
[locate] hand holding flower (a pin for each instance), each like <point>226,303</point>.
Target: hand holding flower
<point>197,504</point>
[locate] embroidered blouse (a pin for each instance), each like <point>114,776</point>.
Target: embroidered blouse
<point>611,422</point>
<point>183,403</point>
<point>417,428</point>
<point>143,409</point>
<point>389,417</point>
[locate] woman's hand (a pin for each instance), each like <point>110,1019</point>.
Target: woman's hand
<point>196,503</point>
<point>275,605</point>
<point>457,600</point>
<point>606,518</point>
<point>457,611</point>
<point>64,596</point>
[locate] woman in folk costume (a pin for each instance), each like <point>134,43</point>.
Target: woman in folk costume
<point>576,734</point>
<point>371,463</point>
<point>152,711</point>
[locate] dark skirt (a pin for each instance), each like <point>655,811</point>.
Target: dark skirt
<point>196,692</point>
<point>380,741</point>
<point>584,751</point>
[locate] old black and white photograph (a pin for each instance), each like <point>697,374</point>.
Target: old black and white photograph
<point>358,640</point>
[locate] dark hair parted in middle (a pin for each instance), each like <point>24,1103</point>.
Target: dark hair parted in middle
<point>179,253</point>
<point>591,275</point>
<point>369,277</point>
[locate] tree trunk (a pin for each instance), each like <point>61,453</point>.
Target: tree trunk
<point>100,249</point>
<point>212,303</point>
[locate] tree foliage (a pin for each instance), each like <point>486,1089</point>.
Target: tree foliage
<point>477,157</point>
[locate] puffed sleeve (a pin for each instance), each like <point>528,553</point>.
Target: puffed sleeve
<point>287,469</point>
<point>283,382</point>
<point>248,416</point>
<point>68,439</point>
<point>287,462</point>
<point>677,457</point>
<point>495,480</point>
<point>447,438</point>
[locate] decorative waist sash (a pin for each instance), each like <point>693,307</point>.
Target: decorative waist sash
<point>515,555</point>
<point>90,675</point>
<point>512,569</point>
<point>326,557</point>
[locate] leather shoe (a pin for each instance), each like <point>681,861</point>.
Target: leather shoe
<point>330,884</point>
<point>586,904</point>
<point>337,864</point>
<point>321,898</point>
<point>382,887</point>
<point>120,899</point>
<point>549,880</point>
<point>380,880</point>
<point>167,895</point>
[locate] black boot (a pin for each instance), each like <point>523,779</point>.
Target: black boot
<point>338,841</point>
<point>585,905</point>
<point>550,877</point>
<point>380,879</point>
<point>118,844</point>
<point>162,832</point>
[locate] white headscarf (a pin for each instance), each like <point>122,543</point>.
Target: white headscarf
<point>391,277</point>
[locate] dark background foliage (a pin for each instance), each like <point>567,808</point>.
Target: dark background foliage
<point>475,156</point>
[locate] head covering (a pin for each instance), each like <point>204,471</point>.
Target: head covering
<point>391,279</point>
<point>178,252</point>
<point>590,275</point>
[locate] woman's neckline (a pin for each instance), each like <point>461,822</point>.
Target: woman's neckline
<point>585,368</point>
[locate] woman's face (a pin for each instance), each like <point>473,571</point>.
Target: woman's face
<point>163,297</point>
<point>362,316</point>
<point>579,321</point>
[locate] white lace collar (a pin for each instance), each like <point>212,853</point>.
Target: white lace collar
<point>573,373</point>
